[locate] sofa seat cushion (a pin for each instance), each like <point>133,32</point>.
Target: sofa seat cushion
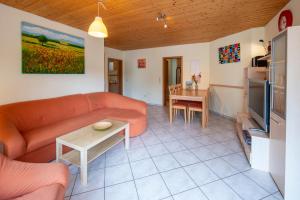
<point>40,137</point>
<point>46,135</point>
<point>49,192</point>
<point>137,121</point>
<point>122,114</point>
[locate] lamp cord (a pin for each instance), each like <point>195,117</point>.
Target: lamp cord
<point>100,2</point>
<point>98,8</point>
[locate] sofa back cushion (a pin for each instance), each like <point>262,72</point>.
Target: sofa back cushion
<point>38,113</point>
<point>97,100</point>
<point>100,100</point>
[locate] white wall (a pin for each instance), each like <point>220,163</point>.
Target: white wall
<point>292,173</point>
<point>272,27</point>
<point>15,86</point>
<point>229,101</point>
<point>111,53</point>
<point>146,84</point>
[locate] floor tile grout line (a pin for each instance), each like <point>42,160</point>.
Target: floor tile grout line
<point>102,188</point>
<point>189,149</point>
<point>260,184</point>
<point>195,182</point>
<point>161,176</point>
<point>73,186</point>
<point>138,196</point>
<point>232,189</point>
<point>104,171</point>
<point>186,165</point>
<point>218,175</point>
<point>222,157</point>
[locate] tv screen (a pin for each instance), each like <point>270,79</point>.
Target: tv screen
<point>259,102</point>
<point>256,97</point>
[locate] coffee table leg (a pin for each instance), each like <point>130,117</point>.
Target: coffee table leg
<point>83,167</point>
<point>58,151</point>
<point>127,137</point>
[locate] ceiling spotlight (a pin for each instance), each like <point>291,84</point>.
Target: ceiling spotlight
<point>165,25</point>
<point>162,17</point>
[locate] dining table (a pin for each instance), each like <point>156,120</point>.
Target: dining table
<point>197,95</point>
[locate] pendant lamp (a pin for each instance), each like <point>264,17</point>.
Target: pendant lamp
<point>98,28</point>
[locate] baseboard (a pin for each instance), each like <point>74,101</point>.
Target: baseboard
<point>153,104</point>
<point>222,115</point>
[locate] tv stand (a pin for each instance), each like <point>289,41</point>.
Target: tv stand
<point>258,152</point>
<point>257,129</point>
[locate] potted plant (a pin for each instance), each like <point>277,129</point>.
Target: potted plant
<point>196,79</point>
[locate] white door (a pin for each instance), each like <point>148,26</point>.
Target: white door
<point>277,151</point>
<point>278,110</point>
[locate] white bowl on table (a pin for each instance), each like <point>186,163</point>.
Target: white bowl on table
<point>102,125</point>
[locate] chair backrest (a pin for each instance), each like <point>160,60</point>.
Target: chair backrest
<point>172,89</point>
<point>207,99</point>
<point>178,87</point>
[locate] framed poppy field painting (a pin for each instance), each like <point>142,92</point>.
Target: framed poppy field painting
<point>47,51</point>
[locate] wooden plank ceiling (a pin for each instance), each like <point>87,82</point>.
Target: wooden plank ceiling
<point>132,23</point>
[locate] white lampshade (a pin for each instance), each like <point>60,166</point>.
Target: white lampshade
<point>98,28</point>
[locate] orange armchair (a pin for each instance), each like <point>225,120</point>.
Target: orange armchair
<point>31,181</point>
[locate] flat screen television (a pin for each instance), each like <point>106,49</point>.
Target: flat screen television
<point>259,102</point>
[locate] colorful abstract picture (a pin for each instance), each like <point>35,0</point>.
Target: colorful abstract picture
<point>142,63</point>
<point>230,54</point>
<point>46,51</point>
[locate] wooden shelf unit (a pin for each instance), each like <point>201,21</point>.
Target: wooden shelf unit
<point>266,57</point>
<point>239,127</point>
<point>260,69</point>
<point>258,152</point>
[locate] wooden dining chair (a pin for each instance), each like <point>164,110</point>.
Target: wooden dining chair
<point>198,107</point>
<point>178,105</point>
<point>192,108</point>
<point>207,105</point>
<point>178,87</point>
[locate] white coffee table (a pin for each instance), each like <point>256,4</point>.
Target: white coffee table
<point>88,144</point>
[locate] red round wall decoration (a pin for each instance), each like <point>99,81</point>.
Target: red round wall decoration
<point>285,20</point>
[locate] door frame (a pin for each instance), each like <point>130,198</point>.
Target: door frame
<point>121,73</point>
<point>164,71</point>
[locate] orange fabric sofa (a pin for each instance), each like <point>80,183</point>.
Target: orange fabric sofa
<point>28,129</point>
<point>32,181</point>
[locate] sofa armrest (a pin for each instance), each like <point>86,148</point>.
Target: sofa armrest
<point>1,148</point>
<point>119,101</point>
<point>13,143</point>
<point>49,192</point>
<point>29,177</point>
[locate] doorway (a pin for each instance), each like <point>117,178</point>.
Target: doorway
<point>172,74</point>
<point>115,75</point>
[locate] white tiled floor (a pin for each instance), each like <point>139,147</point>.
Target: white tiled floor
<point>175,162</point>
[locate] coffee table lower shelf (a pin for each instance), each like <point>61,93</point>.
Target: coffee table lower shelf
<point>74,155</point>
